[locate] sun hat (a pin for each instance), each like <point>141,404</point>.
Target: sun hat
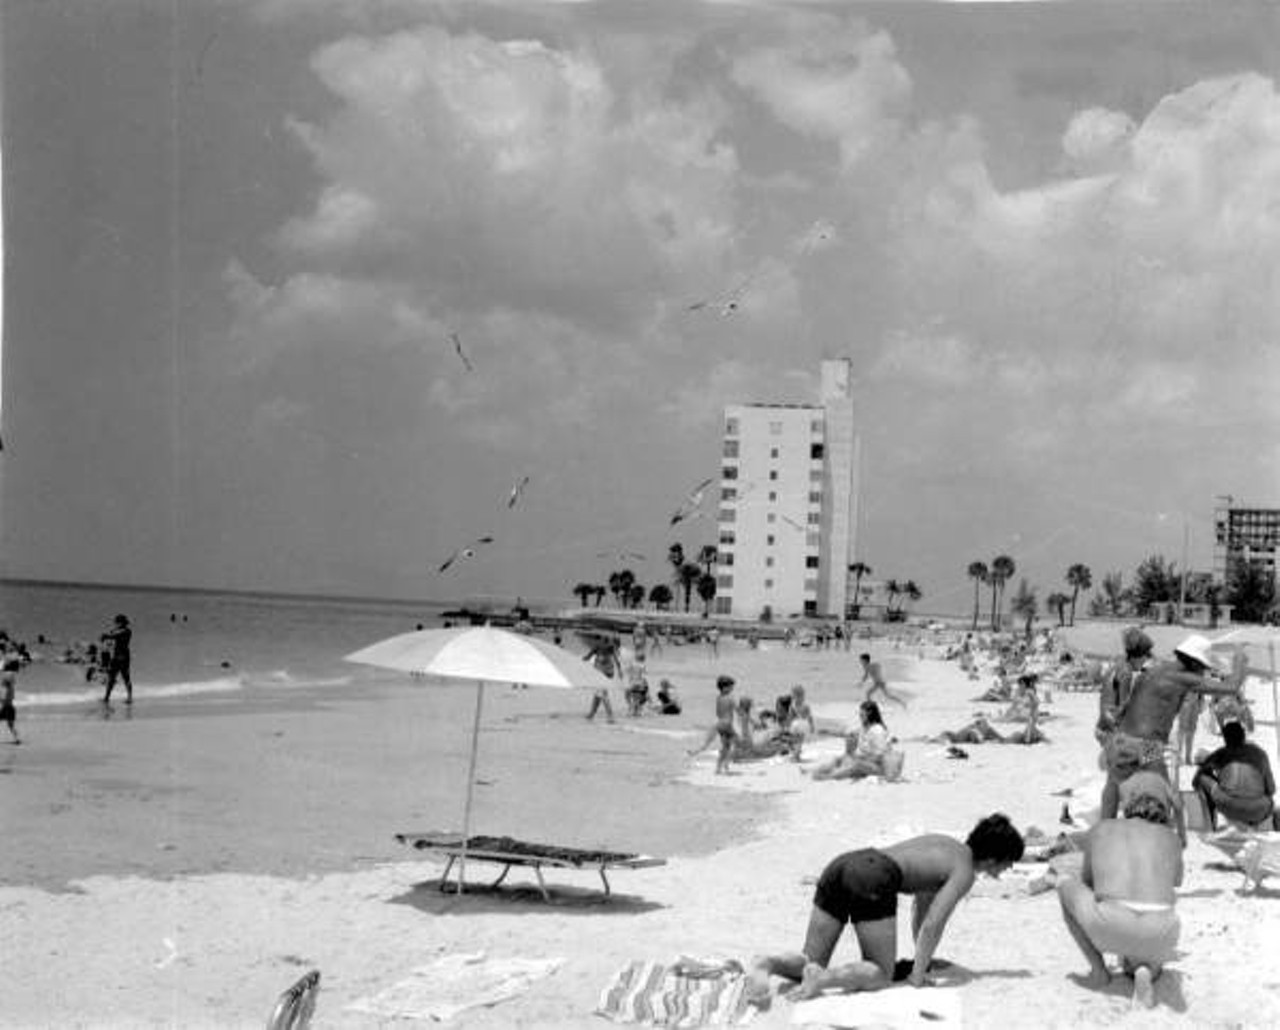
<point>1196,648</point>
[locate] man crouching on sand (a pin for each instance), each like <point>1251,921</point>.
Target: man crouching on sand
<point>1123,901</point>
<point>862,888</point>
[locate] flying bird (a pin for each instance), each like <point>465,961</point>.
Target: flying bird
<point>465,552</point>
<point>516,491</point>
<point>691,503</point>
<point>727,303</point>
<point>457,346</point>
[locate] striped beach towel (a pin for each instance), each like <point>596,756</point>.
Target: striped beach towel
<point>654,994</point>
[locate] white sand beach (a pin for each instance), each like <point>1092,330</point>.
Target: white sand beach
<point>172,809</point>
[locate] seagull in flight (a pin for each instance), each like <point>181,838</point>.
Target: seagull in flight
<point>457,346</point>
<point>516,491</point>
<point>691,503</point>
<point>465,552</point>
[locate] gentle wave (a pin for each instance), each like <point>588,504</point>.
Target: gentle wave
<point>55,698</point>
<point>284,678</point>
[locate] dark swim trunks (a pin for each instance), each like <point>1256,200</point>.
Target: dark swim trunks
<point>859,887</point>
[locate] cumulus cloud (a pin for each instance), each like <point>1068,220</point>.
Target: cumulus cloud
<point>1095,136</point>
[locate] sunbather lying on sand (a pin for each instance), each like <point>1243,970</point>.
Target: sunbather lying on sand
<point>980,731</point>
<point>862,888</point>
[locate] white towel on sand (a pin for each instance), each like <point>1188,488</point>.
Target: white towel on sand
<point>894,1006</point>
<point>454,983</point>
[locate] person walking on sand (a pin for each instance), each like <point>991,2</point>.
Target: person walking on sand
<point>1144,724</point>
<point>723,727</point>
<point>871,671</point>
<point>119,637</point>
<point>862,887</point>
<point>8,687</point>
<point>604,656</point>
<point>1123,901</point>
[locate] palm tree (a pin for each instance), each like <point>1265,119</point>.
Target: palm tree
<point>1078,578</point>
<point>615,585</point>
<point>689,575</point>
<point>635,595</point>
<point>1024,605</point>
<point>1057,602</point>
<point>599,592</point>
<point>893,590</point>
<point>583,592</point>
<point>911,592</point>
<point>707,592</point>
<point>661,596</point>
<point>979,574</point>
<point>707,558</point>
<point>675,558</point>
<point>859,569</point>
<point>626,580</point>
<point>1002,569</point>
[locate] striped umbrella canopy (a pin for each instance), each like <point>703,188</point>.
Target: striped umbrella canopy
<point>479,654</point>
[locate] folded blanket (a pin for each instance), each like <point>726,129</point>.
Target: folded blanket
<point>455,983</point>
<point>656,994</point>
<point>894,1007</point>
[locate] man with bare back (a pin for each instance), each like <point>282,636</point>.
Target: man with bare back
<point>1147,718</point>
<point>862,887</point>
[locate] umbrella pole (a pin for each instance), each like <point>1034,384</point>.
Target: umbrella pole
<point>471,780</point>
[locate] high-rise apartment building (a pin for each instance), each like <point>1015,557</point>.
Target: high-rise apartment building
<point>786,515</point>
<point>1245,534</point>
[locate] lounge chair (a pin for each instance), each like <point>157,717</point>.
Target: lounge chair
<point>1256,852</point>
<point>508,852</point>
<point>295,1006</point>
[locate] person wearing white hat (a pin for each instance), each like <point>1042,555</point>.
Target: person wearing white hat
<point>1146,719</point>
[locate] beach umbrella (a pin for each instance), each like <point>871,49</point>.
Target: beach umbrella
<point>479,654</point>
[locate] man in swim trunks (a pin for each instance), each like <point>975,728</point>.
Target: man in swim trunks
<point>871,671</point>
<point>1122,903</point>
<point>862,888</point>
<point>1146,720</point>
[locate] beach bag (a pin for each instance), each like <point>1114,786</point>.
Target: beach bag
<point>892,763</point>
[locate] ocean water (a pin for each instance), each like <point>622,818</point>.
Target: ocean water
<point>198,642</point>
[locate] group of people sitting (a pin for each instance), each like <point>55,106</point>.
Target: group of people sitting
<point>868,751</point>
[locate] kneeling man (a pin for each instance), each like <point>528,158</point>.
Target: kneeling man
<point>1122,904</point>
<point>862,888</point>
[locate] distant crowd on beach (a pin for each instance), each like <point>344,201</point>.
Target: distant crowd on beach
<point>1116,879</point>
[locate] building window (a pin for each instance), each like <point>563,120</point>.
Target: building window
<point>724,581</point>
<point>731,448</point>
<point>816,427</point>
<point>727,536</point>
<point>815,496</point>
<point>729,472</point>
<point>773,452</point>
<point>813,540</point>
<point>815,451</point>
<point>811,561</point>
<point>773,475</point>
<point>728,493</point>
<point>814,518</point>
<point>724,606</point>
<point>811,607</point>
<point>725,558</point>
<point>768,584</point>
<point>769,540</point>
<point>731,427</point>
<point>810,585</point>
<point>771,517</point>
<point>773,496</point>
<point>775,428</point>
<point>815,475</point>
<point>768,562</point>
<point>727,515</point>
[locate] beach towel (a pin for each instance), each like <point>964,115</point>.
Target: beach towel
<point>455,983</point>
<point>655,994</point>
<point>895,1007</point>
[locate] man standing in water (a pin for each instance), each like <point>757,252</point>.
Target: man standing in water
<point>1146,720</point>
<point>118,639</point>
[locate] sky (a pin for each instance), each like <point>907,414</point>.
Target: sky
<point>296,291</point>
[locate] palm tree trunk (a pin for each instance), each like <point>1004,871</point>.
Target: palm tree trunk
<point>1075,590</point>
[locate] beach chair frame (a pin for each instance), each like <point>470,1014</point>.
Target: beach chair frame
<point>534,856</point>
